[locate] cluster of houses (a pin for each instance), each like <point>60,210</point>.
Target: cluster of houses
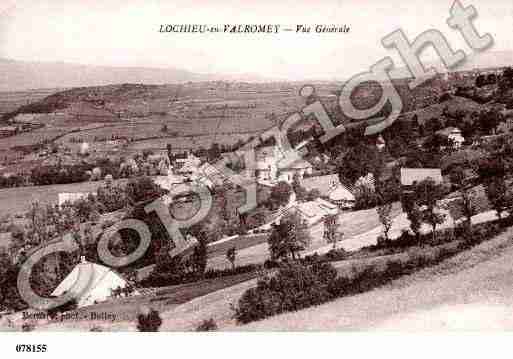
<point>332,196</point>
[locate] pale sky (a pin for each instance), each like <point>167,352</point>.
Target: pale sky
<point>125,33</point>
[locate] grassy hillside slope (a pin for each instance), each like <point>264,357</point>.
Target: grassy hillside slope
<point>471,291</point>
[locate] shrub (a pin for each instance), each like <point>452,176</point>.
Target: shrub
<point>381,241</point>
<point>28,327</point>
<point>336,255</point>
<point>294,287</point>
<point>208,325</point>
<point>143,189</point>
<point>445,97</point>
<point>270,264</point>
<point>174,275</point>
<point>112,198</point>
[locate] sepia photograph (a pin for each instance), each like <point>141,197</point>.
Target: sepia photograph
<point>258,166</point>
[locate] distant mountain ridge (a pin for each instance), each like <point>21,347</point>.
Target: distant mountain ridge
<point>20,75</point>
<point>478,60</point>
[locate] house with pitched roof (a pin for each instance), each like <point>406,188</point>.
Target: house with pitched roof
<point>454,135</point>
<point>268,170</point>
<point>330,187</point>
<point>313,212</point>
<point>99,286</point>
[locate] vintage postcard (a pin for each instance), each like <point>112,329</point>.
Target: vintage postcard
<point>284,166</point>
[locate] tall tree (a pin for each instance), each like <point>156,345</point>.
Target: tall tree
<point>288,237</point>
<point>492,172</point>
<point>413,213</point>
<point>498,195</point>
<point>231,254</point>
<point>199,258</point>
<point>466,202</point>
<point>385,217</point>
<point>300,191</point>
<point>221,193</point>
<point>428,193</point>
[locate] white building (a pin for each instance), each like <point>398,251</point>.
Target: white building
<point>268,168</point>
<point>454,135</point>
<point>266,163</point>
<point>314,212</point>
<point>413,176</point>
<point>380,143</point>
<point>300,168</point>
<point>330,187</point>
<point>342,197</point>
<point>187,165</point>
<point>167,182</point>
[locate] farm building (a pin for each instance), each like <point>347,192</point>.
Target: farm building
<point>299,168</point>
<point>454,135</point>
<point>314,211</point>
<point>102,281</point>
<point>380,143</point>
<point>324,184</point>
<point>187,165</point>
<point>167,182</point>
<point>265,171</point>
<point>266,163</point>
<point>366,181</point>
<point>330,187</point>
<point>342,197</point>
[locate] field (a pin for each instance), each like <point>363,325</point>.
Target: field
<point>31,138</point>
<point>195,114</point>
<point>10,101</point>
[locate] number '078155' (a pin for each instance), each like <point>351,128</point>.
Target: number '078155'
<point>31,348</point>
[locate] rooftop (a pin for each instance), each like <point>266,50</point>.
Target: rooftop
<point>341,193</point>
<point>324,184</point>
